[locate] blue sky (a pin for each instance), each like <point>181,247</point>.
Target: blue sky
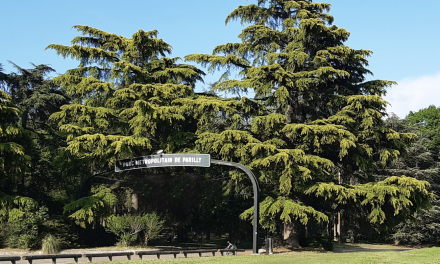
<point>402,34</point>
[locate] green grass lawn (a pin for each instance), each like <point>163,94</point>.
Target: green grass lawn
<point>427,255</point>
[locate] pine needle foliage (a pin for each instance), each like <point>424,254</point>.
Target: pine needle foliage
<point>13,208</point>
<point>123,96</point>
<point>91,208</point>
<point>35,97</point>
<point>428,120</point>
<point>420,162</point>
<point>314,115</point>
<point>13,158</point>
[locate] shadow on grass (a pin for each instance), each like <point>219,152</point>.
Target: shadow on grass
<point>342,248</point>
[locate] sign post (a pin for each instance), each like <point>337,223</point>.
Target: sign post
<point>164,160</point>
<point>194,160</point>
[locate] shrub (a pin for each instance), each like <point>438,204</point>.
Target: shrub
<point>425,230</point>
<point>61,229</point>
<point>127,227</point>
<point>25,233</point>
<point>51,244</point>
<point>153,225</point>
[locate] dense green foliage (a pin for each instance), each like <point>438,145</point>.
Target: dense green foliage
<point>424,230</point>
<point>127,227</point>
<point>91,208</point>
<point>314,116</point>
<point>26,232</point>
<point>429,121</point>
<point>122,97</point>
<point>420,162</point>
<point>152,225</point>
<point>13,159</point>
<point>35,97</point>
<point>32,153</point>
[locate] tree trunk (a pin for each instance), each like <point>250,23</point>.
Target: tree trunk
<point>288,114</point>
<point>290,230</point>
<point>134,203</point>
<point>219,231</point>
<point>290,235</point>
<point>208,234</point>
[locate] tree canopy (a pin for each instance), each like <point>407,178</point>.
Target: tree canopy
<point>301,111</point>
<point>429,121</point>
<point>122,96</point>
<point>317,116</point>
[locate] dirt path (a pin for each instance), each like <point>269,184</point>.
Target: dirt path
<point>369,248</point>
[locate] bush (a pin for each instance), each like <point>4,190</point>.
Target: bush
<point>25,233</point>
<point>426,230</point>
<point>153,225</point>
<point>327,243</point>
<point>126,239</point>
<point>127,227</point>
<point>2,235</point>
<point>51,244</point>
<point>63,230</point>
<point>316,239</point>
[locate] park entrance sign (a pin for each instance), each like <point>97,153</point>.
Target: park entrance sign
<point>164,160</point>
<point>194,160</point>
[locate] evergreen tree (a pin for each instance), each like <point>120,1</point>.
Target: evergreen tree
<point>421,163</point>
<point>36,96</point>
<point>429,121</point>
<point>424,230</point>
<point>122,97</point>
<point>314,115</point>
<point>13,159</point>
<point>123,94</point>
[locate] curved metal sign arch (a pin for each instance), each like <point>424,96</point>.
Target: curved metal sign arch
<point>194,160</point>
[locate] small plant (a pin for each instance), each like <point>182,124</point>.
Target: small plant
<point>24,233</point>
<point>153,225</point>
<point>51,244</point>
<point>127,227</point>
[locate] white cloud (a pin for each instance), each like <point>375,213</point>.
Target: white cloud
<point>413,94</point>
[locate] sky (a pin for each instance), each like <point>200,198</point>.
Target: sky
<point>403,35</point>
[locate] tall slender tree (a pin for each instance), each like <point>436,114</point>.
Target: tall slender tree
<point>314,115</point>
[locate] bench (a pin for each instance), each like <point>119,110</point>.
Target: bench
<point>234,251</point>
<point>199,251</point>
<point>12,259</point>
<point>157,253</point>
<point>52,256</point>
<point>110,255</point>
